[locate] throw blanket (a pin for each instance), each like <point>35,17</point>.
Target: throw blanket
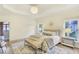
<point>35,41</point>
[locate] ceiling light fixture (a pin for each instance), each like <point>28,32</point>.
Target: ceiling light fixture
<point>34,9</point>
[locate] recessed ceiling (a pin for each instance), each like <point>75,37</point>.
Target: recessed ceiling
<point>43,9</point>
<point>25,9</point>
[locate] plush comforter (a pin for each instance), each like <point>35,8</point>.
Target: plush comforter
<point>56,40</point>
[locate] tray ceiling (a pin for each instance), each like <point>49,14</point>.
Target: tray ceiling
<point>43,9</point>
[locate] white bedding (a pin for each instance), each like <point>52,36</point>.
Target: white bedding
<point>56,40</point>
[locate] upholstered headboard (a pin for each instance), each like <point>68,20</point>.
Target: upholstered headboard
<point>51,32</point>
<point>49,29</point>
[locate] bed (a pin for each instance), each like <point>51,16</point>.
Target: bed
<point>42,43</point>
<point>54,34</point>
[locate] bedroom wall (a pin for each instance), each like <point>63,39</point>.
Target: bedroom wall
<point>58,18</point>
<point>20,26</point>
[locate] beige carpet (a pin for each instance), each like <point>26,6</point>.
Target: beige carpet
<point>61,49</point>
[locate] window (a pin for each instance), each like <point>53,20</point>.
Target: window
<point>4,31</point>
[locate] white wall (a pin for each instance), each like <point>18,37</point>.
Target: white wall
<point>58,18</point>
<point>20,26</point>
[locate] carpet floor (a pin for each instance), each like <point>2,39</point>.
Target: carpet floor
<point>59,49</point>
